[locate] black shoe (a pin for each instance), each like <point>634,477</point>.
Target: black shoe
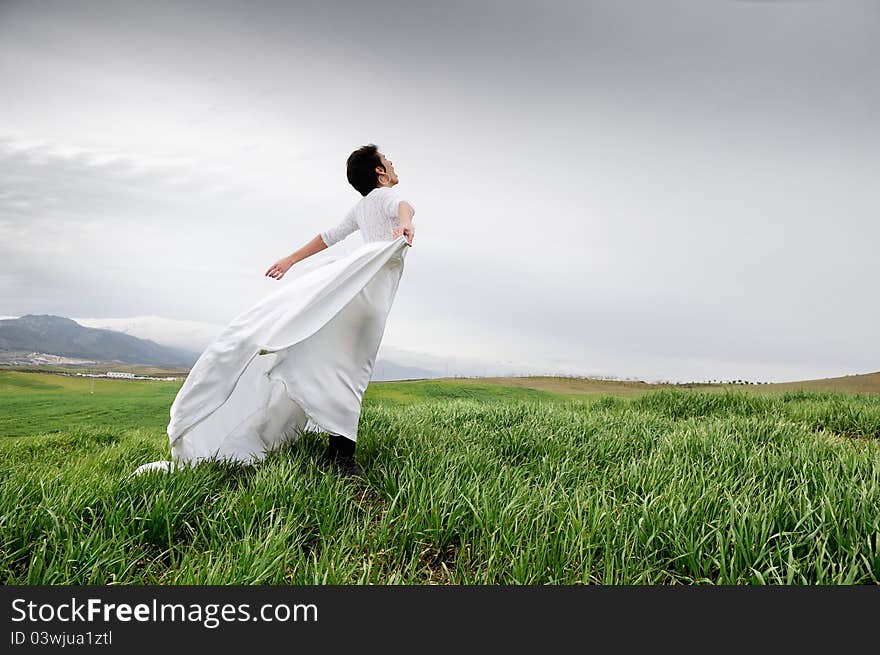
<point>347,466</point>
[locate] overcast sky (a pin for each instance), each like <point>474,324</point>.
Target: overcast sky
<point>663,190</point>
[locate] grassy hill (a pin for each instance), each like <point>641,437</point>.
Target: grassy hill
<point>866,383</point>
<point>466,481</point>
<point>573,386</point>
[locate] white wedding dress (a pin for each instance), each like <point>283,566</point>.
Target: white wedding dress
<point>298,360</point>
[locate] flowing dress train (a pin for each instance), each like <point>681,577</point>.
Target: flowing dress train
<point>300,359</point>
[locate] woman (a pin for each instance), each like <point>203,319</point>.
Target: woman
<point>302,357</point>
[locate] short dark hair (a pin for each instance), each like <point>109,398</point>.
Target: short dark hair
<point>361,168</point>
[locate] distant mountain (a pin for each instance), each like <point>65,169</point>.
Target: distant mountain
<point>385,371</point>
<point>47,339</point>
<point>57,335</point>
<point>191,336</point>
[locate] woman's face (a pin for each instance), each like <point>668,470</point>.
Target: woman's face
<point>390,177</point>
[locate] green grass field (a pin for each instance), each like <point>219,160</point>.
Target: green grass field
<point>465,482</point>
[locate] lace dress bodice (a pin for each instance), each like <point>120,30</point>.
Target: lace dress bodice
<point>375,215</point>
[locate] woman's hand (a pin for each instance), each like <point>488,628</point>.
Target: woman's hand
<point>407,229</point>
<point>279,268</point>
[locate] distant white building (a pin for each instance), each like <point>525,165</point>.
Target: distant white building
<point>114,374</point>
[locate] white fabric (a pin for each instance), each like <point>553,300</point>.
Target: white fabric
<point>375,215</point>
<point>300,359</point>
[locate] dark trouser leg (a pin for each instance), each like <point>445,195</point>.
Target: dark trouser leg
<point>340,446</point>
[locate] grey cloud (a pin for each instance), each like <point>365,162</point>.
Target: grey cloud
<point>677,184</point>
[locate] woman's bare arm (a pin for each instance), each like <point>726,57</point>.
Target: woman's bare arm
<point>279,268</point>
<point>405,213</point>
